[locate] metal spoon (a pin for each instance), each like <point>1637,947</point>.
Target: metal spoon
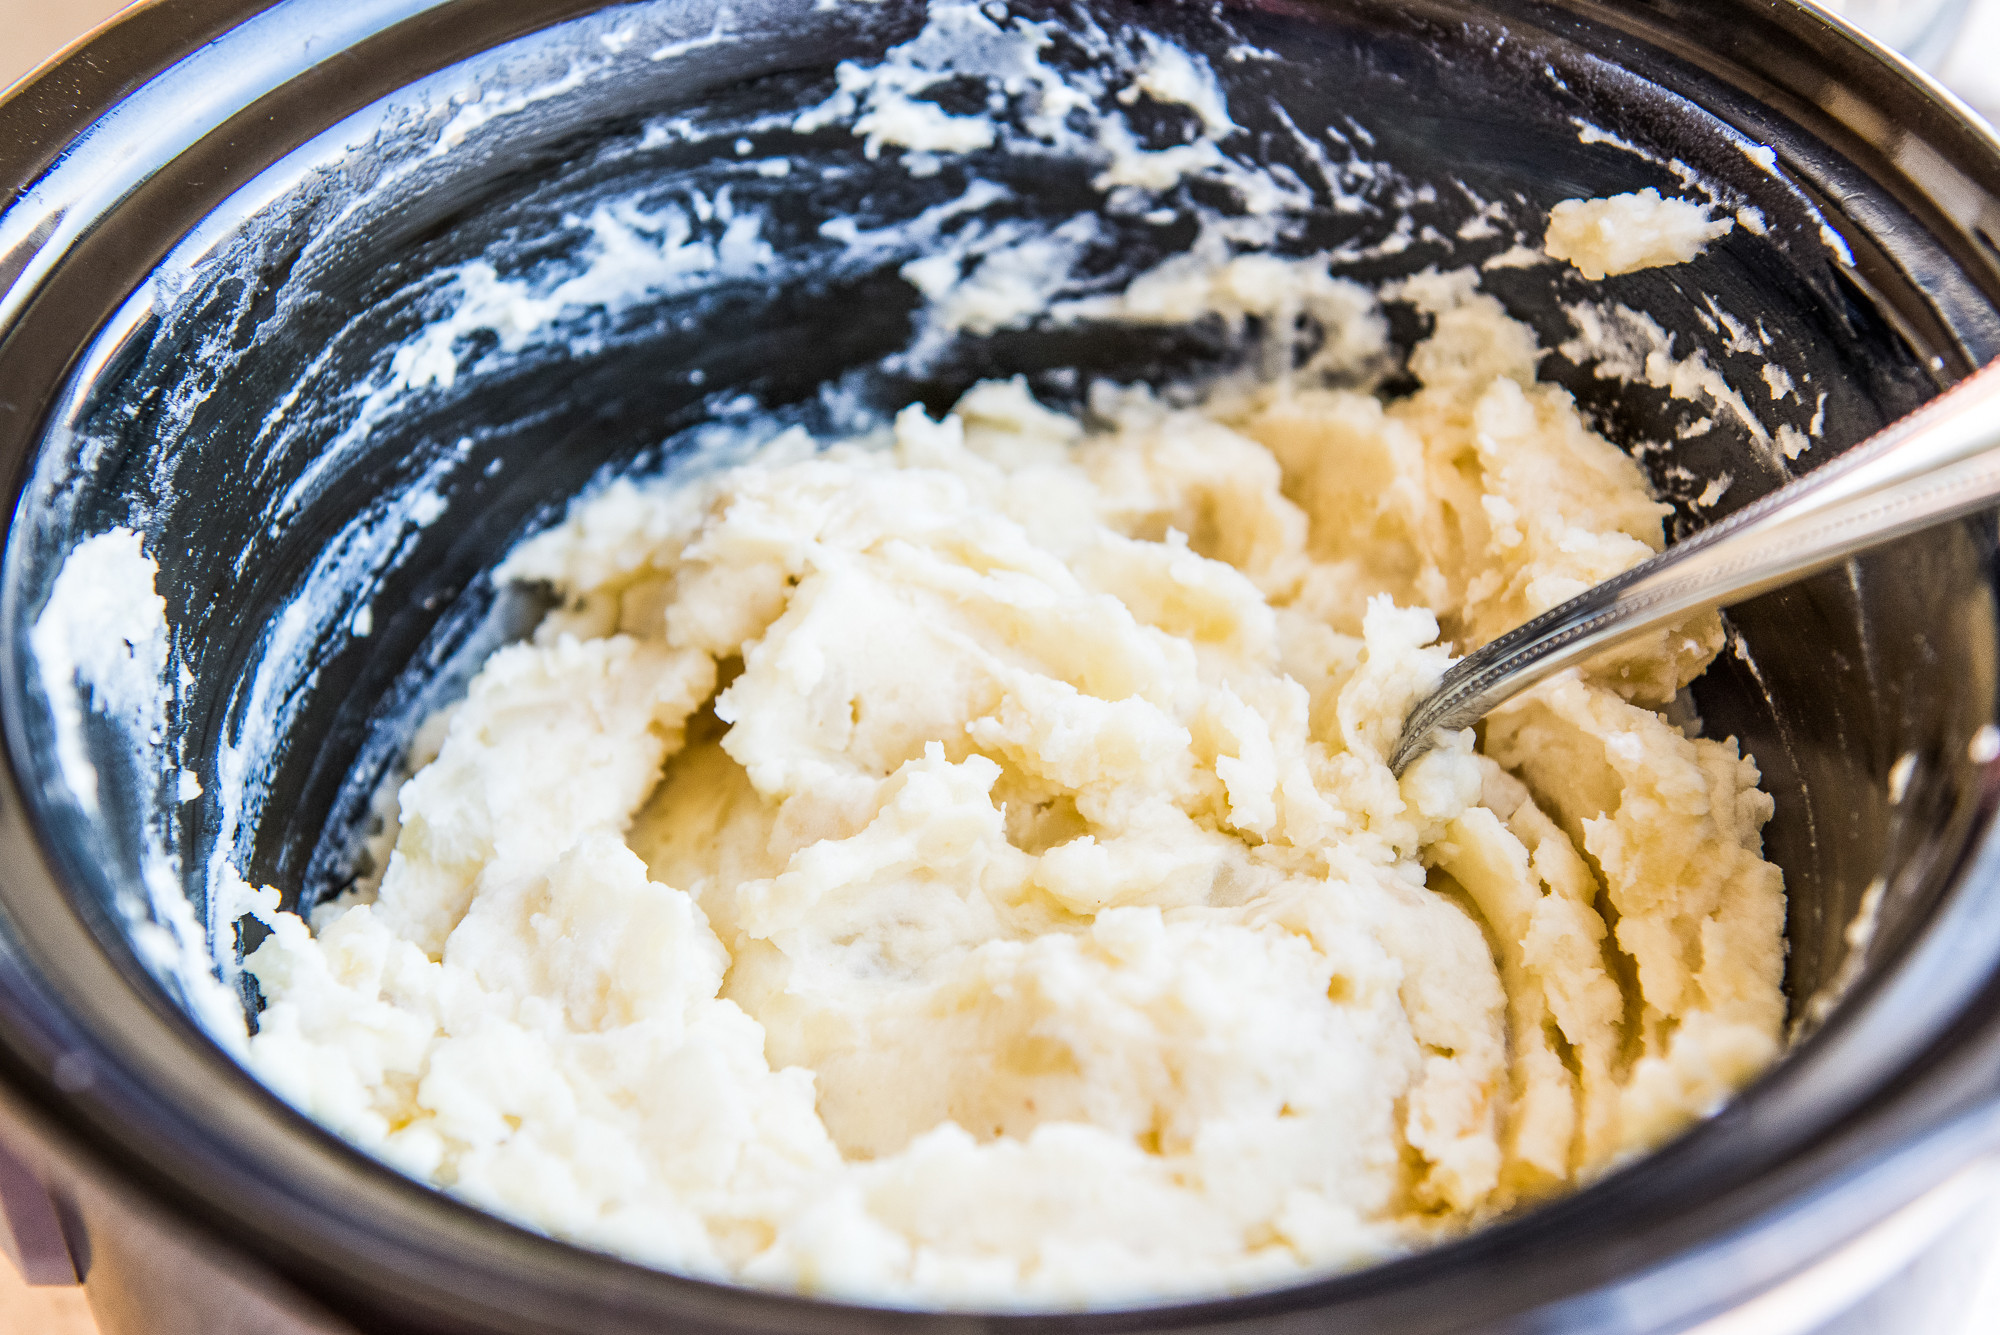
<point>1940,462</point>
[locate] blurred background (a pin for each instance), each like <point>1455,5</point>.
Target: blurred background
<point>1957,40</point>
<point>33,30</point>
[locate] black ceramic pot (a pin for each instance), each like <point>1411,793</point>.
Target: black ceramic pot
<point>224,220</point>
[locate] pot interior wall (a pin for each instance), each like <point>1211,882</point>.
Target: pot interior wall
<point>325,504</point>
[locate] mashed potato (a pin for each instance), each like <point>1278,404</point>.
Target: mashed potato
<point>1624,233</point>
<point>961,868</point>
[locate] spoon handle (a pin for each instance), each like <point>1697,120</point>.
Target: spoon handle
<point>1938,463</point>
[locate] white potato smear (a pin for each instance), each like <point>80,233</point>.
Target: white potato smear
<point>1626,233</point>
<point>961,868</point>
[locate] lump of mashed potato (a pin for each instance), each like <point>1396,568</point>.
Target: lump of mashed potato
<point>1623,233</point>
<point>961,868</point>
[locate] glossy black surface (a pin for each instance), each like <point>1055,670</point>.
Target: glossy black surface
<point>310,290</point>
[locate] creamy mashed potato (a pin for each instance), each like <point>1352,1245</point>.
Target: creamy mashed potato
<point>960,867</point>
<point>1623,233</point>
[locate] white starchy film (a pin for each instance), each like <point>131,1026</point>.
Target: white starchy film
<point>336,590</point>
<point>104,632</point>
<point>1619,343</point>
<point>1738,336</point>
<point>493,105</point>
<point>881,101</point>
<point>985,280</point>
<point>1008,274</point>
<point>101,646</point>
<point>635,254</point>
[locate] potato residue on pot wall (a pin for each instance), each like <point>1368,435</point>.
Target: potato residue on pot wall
<point>959,867</point>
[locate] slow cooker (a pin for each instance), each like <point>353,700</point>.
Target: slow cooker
<point>231,228</point>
